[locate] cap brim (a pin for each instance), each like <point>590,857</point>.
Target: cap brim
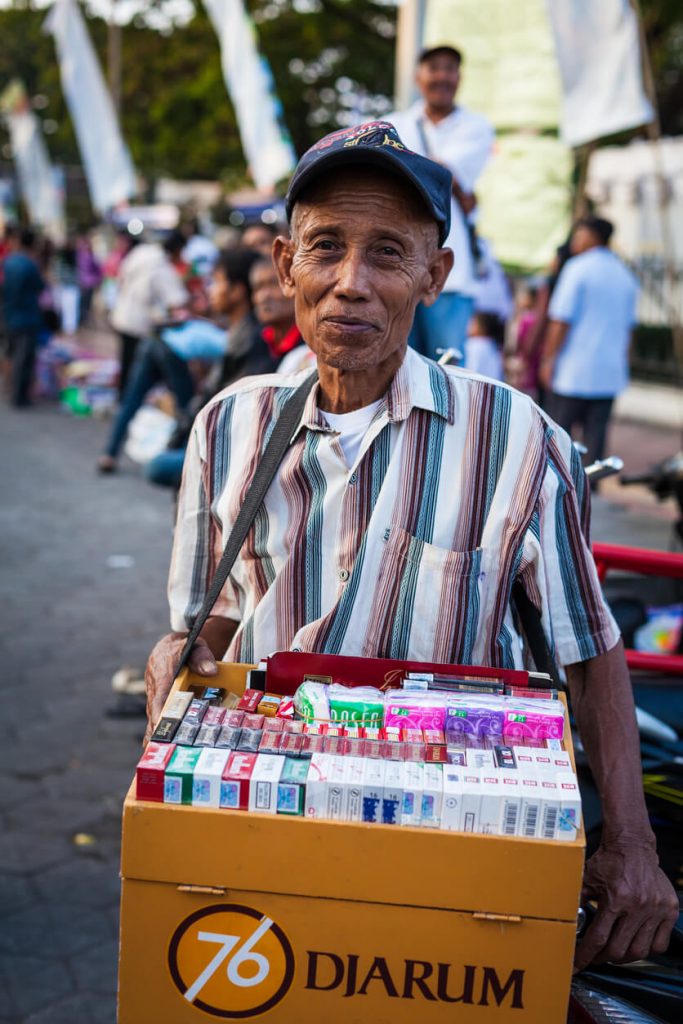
<point>365,155</point>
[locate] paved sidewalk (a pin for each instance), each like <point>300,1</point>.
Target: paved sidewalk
<point>74,611</point>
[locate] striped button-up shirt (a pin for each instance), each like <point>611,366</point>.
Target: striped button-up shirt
<point>460,487</point>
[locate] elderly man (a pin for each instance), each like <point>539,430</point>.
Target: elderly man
<point>409,500</point>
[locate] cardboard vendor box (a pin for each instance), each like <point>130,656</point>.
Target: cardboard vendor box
<point>229,915</point>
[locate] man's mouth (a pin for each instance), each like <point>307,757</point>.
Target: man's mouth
<point>349,324</point>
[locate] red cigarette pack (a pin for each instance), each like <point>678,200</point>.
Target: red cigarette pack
<point>149,774</point>
<point>270,742</point>
<point>238,771</point>
<point>250,700</point>
<point>234,719</point>
<point>291,744</point>
<point>253,721</point>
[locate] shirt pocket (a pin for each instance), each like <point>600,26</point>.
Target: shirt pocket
<point>426,601</point>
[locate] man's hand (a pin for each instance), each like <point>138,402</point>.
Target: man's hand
<point>637,906</point>
<point>161,668</point>
<point>546,369</point>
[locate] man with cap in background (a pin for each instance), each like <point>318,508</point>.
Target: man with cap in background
<point>410,499</point>
<point>462,141</point>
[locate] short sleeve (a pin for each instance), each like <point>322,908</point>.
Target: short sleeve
<point>557,567</point>
<point>198,541</point>
<point>564,303</point>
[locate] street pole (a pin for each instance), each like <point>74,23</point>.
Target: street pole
<point>409,42</point>
<point>114,59</point>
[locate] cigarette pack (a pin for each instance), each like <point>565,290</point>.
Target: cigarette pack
<point>215,715</point>
<point>530,811</point>
<point>436,753</point>
<point>453,797</point>
<point>570,808</point>
<point>291,744</point>
<point>177,704</point>
<point>208,772</point>
<point>355,746</point>
<point>165,730</point>
<point>311,744</point>
<point>229,737</point>
<point>249,740</point>
<point>480,758</point>
<point>554,745</point>
<point>511,806</point>
<point>334,745</point>
<point>392,799</point>
<point>335,730</point>
<point>457,756</point>
<point>235,781</point>
<point>316,784</point>
<point>491,801</point>
<point>432,795</point>
<point>471,801</point>
<point>373,789</point>
<point>187,733</point>
<point>372,732</point>
<point>532,694</point>
<point>353,783</point>
<point>505,757</point>
<point>336,791</point>
<point>149,774</point>
<point>393,750</point>
<point>415,752</point>
<point>524,757</point>
<point>207,735</point>
<point>179,775</point>
<point>263,784</point>
<point>234,718</point>
<point>550,805</point>
<point>273,725</point>
<point>253,721</point>
<point>213,694</point>
<point>411,812</point>
<point>560,761</point>
<point>196,711</point>
<point>269,705</point>
<point>270,742</point>
<point>315,728</point>
<point>250,700</point>
<point>542,758</point>
<point>293,726</point>
<point>291,790</point>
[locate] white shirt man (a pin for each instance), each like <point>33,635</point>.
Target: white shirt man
<point>461,140</point>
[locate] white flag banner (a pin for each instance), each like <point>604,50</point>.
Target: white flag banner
<point>106,160</point>
<point>598,54</point>
<point>265,142</point>
<point>37,177</point>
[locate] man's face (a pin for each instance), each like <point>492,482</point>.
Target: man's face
<point>224,294</point>
<point>582,239</point>
<point>258,238</point>
<point>271,306</point>
<point>438,79</point>
<point>364,251</point>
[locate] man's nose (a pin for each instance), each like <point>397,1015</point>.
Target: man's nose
<point>353,279</point>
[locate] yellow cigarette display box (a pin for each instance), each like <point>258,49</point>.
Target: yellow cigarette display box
<point>227,915</point>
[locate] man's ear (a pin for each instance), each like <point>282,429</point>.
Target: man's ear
<point>283,255</point>
<point>440,267</point>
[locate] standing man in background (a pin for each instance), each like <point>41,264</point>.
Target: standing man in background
<point>462,141</point>
<point>592,313</point>
<point>21,290</point>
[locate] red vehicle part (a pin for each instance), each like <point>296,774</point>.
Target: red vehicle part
<point>646,563</point>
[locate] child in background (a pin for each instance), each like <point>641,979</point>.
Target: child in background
<point>484,345</point>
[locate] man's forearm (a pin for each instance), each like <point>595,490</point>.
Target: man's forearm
<point>555,338</point>
<point>602,700</point>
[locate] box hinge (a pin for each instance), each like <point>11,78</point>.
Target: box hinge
<point>506,918</point>
<point>203,890</point>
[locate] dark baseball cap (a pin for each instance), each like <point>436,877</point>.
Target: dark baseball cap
<point>376,143</point>
<point>431,51</point>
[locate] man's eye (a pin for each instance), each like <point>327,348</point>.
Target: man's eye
<point>326,244</point>
<point>388,250</point>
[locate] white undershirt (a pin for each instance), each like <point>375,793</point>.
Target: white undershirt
<point>352,428</point>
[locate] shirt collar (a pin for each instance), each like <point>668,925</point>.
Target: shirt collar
<point>418,384</point>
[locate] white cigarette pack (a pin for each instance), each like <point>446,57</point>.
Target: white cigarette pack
<point>543,758</point>
<point>471,801</point>
<point>491,801</point>
<point>511,802</point>
<point>432,795</point>
<point>392,799</point>
<point>264,782</point>
<point>316,786</point>
<point>480,758</point>
<point>206,781</point>
<point>561,761</point>
<point>411,813</point>
<point>453,795</point>
<point>550,805</point>
<point>570,809</point>
<point>524,757</point>
<point>336,791</point>
<point>353,784</point>
<point>373,788</point>
<point>530,813</point>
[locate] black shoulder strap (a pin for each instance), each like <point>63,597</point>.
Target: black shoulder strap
<point>283,432</point>
<point>530,621</point>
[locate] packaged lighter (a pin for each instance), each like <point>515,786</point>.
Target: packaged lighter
<point>373,789</point>
<point>392,798</point>
<point>149,774</point>
<point>432,795</point>
<point>570,807</point>
<point>207,735</point>
<point>353,783</point>
<point>229,737</point>
<point>186,733</point>
<point>411,812</point>
<point>235,781</point>
<point>336,792</point>
<point>179,775</point>
<point>453,796</point>
<point>177,704</point>
<point>550,805</point>
<point>264,782</point>
<point>208,773</point>
<point>165,730</point>
<point>291,791</point>
<point>316,785</point>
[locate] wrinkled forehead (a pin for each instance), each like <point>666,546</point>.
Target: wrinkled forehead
<point>346,191</point>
